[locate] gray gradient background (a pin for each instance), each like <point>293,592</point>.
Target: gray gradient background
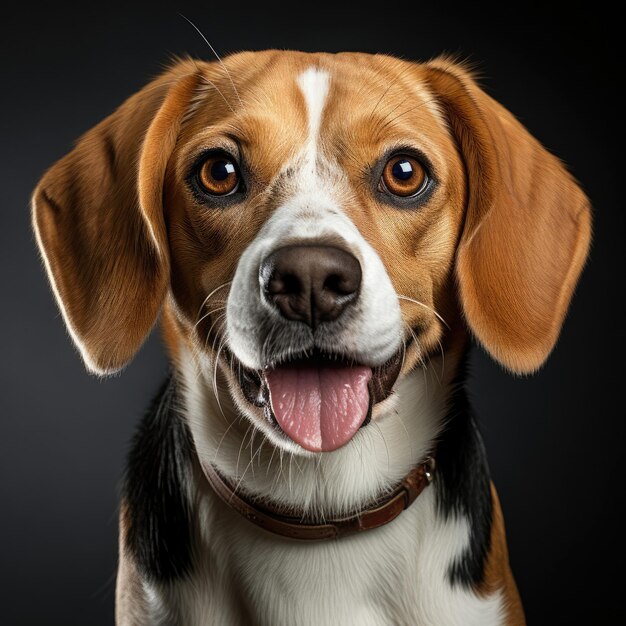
<point>554,440</point>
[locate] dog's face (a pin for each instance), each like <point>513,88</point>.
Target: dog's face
<point>317,226</point>
<point>315,221</point>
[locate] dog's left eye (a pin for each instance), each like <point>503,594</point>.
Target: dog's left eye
<point>219,176</point>
<point>403,176</point>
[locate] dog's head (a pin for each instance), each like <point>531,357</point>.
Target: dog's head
<point>310,221</point>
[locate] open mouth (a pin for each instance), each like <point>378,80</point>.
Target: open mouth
<point>319,400</point>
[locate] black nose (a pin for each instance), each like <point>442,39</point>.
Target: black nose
<point>311,284</point>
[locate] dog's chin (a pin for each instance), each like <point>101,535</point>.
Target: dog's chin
<point>313,401</point>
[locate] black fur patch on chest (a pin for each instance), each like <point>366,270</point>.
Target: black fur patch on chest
<point>463,486</point>
<point>155,489</point>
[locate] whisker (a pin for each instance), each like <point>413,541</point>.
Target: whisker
<point>412,333</point>
<point>407,434</point>
<point>249,465</point>
<point>443,359</point>
<point>217,56</point>
<point>219,308</point>
<point>382,436</point>
<point>426,307</point>
<point>254,430</point>
<point>403,353</point>
<point>395,119</point>
<point>243,441</point>
<point>209,82</point>
<point>424,366</point>
<point>215,366</point>
<point>383,121</point>
<point>271,459</point>
<point>371,115</point>
<point>204,302</point>
<point>369,85</point>
<point>258,452</point>
<point>237,418</point>
<point>220,319</point>
<point>280,473</point>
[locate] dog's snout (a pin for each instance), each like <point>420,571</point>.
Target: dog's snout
<point>311,284</point>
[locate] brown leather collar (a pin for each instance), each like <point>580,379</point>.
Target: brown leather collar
<point>380,513</point>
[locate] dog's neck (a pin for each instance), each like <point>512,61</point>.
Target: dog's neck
<point>402,433</point>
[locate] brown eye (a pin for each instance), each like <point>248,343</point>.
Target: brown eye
<point>403,176</point>
<point>219,175</point>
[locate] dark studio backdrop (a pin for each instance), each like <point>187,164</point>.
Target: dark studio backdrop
<point>555,440</point>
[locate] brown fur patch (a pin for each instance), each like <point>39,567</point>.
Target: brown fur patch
<point>498,576</point>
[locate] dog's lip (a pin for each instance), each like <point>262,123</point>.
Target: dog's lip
<point>255,389</point>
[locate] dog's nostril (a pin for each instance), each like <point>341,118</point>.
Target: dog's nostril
<point>340,284</point>
<point>334,283</point>
<point>284,284</point>
<point>311,284</point>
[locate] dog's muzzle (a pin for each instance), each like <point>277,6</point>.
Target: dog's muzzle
<point>318,398</point>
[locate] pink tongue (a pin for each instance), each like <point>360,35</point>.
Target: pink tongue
<point>320,408</point>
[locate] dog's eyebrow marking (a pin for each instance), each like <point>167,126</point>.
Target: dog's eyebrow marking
<point>314,84</point>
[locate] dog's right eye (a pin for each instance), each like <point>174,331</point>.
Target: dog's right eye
<point>219,175</point>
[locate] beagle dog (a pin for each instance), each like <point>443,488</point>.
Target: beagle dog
<point>319,236</point>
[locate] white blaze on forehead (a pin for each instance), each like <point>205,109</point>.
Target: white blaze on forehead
<point>311,209</point>
<point>314,85</point>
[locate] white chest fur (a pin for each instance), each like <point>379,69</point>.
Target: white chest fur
<point>394,575</point>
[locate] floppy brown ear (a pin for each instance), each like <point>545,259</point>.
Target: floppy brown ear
<point>527,227</point>
<point>98,218</point>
